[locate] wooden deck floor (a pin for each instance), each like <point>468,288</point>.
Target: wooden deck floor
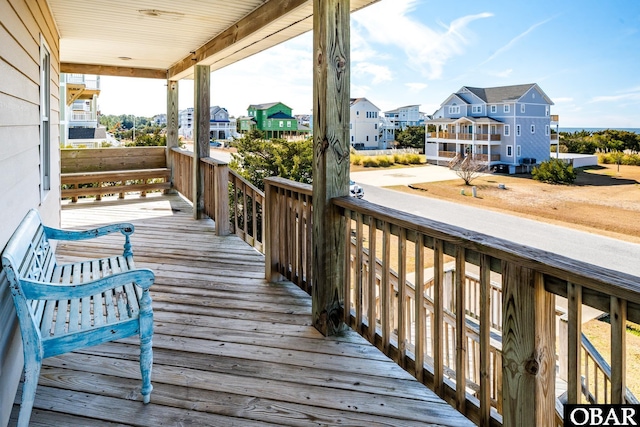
<point>230,349</point>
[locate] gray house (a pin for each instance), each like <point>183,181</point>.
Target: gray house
<point>508,125</point>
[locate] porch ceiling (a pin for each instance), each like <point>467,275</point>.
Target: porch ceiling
<point>167,38</point>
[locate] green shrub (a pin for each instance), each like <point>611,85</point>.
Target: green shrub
<point>356,159</point>
<point>554,171</point>
<point>626,159</point>
<point>370,162</point>
<point>385,161</point>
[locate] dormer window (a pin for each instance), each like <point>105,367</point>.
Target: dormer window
<point>454,109</point>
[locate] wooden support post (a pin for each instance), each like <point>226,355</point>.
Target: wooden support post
<point>618,319</point>
<point>331,80</point>
<point>271,233</point>
<point>172,126</point>
<point>528,348</point>
<point>201,117</point>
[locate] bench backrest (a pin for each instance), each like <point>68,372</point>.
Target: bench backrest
<point>76,160</point>
<point>28,255</point>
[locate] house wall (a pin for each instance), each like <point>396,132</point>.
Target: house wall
<point>22,26</point>
<point>362,129</point>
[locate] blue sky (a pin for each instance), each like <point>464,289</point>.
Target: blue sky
<point>585,55</point>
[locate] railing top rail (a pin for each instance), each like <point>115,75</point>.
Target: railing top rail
<point>604,281</point>
<point>214,162</point>
<point>290,185</point>
<point>247,183</point>
<point>182,151</point>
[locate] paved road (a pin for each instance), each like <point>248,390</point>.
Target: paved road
<point>595,249</point>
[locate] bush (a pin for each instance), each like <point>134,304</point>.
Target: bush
<point>611,159</point>
<point>554,171</point>
<point>370,162</point>
<point>385,161</point>
<point>356,159</point>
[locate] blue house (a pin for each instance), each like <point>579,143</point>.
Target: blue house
<point>509,125</point>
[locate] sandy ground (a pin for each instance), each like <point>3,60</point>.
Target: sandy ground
<point>602,200</point>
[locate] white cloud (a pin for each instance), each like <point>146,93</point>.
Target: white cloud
<point>504,74</point>
<point>416,87</point>
<point>628,96</point>
<point>426,50</point>
<point>514,41</point>
<point>379,73</point>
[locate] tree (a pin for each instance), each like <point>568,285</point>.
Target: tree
<point>468,169</point>
<point>258,159</point>
<point>411,137</point>
<point>554,171</point>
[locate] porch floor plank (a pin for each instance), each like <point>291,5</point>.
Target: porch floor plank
<point>229,347</point>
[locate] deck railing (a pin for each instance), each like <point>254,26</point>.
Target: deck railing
<point>529,280</point>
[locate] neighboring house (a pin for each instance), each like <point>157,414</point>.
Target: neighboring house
<point>364,122</point>
<point>274,119</point>
<point>220,125</point>
<point>80,118</point>
<point>160,120</point>
<point>507,125</point>
<point>398,120</point>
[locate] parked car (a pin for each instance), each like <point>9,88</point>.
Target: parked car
<point>213,143</point>
<point>356,190</point>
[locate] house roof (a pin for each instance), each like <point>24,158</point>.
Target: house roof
<point>357,100</point>
<point>265,106</point>
<point>400,108</point>
<point>493,95</point>
<point>165,39</point>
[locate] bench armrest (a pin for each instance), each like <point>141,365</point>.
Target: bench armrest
<point>125,228</point>
<point>36,290</point>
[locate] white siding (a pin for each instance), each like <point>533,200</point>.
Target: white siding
<point>21,25</point>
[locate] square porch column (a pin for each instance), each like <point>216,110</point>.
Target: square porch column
<point>331,80</point>
<point>201,117</point>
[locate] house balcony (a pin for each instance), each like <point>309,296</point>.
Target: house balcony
<point>437,314</point>
<point>453,136</point>
<point>554,118</point>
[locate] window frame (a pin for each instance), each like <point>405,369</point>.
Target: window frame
<point>507,130</point>
<point>509,150</point>
<point>45,118</point>
<point>506,108</point>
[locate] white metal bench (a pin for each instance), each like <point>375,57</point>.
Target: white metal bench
<point>64,307</point>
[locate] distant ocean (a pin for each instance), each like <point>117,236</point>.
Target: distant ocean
<point>571,130</point>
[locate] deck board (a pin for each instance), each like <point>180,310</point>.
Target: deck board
<point>229,347</point>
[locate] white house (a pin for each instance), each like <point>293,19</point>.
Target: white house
<point>507,125</point>
<point>79,119</point>
<point>398,120</point>
<point>221,126</point>
<point>364,125</point>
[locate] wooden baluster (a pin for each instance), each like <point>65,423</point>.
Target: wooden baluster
<point>574,343</point>
<point>348,267</point>
<point>371,304</point>
<point>485,344</point>
<point>402,296</point>
<point>359,281</point>
<point>438,275</point>
<point>420,320</point>
<point>618,319</point>
<point>461,330</point>
<point>386,284</point>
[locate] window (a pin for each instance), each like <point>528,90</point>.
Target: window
<point>350,125</point>
<point>289,124</point>
<point>45,112</point>
<point>351,138</point>
<point>367,138</point>
<point>376,138</point>
<point>546,130</point>
<point>546,110</point>
<point>357,113</point>
<point>518,130</point>
<point>375,126</point>
<point>494,108</point>
<point>518,151</point>
<point>533,128</point>
<point>522,108</point>
<point>509,150</point>
<point>269,123</point>
<point>506,108</point>
<point>281,123</point>
<point>506,130</point>
<point>476,109</point>
<point>454,109</point>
